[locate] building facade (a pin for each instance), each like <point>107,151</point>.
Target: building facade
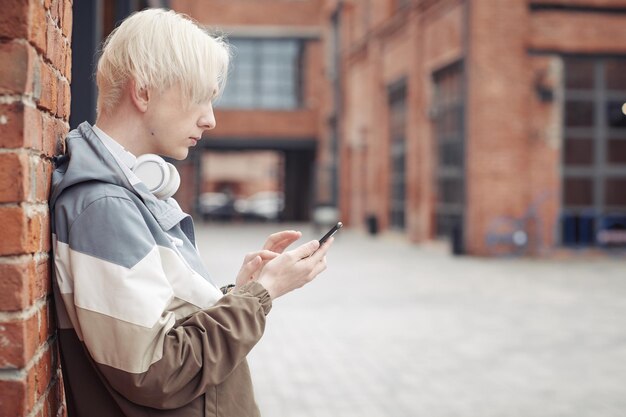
<point>496,125</point>
<point>275,94</point>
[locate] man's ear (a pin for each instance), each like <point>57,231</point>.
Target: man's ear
<point>140,96</point>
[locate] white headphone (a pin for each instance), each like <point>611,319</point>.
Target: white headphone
<point>161,178</point>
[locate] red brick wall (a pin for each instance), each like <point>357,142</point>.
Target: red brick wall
<point>221,13</point>
<point>576,32</point>
<point>513,136</point>
<point>301,124</point>
<point>34,111</point>
<point>411,44</point>
<point>498,115</point>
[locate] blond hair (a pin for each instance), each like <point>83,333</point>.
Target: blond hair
<point>159,49</point>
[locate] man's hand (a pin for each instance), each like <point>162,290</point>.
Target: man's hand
<point>254,262</point>
<point>294,268</point>
<point>252,265</point>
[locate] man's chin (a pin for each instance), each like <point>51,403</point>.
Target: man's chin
<point>179,155</point>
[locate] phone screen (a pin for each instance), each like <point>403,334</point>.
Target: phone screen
<point>331,232</point>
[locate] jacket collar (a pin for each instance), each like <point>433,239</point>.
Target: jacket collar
<point>165,214</point>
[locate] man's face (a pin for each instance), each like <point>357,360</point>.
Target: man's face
<point>174,125</point>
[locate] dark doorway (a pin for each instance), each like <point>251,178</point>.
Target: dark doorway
<point>297,161</point>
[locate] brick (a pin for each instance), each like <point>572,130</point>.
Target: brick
<point>23,179</point>
<point>22,338</point>
<point>45,325</point>
<point>24,20</point>
<point>63,54</point>
<point>54,132</point>
<point>14,19</point>
<point>40,185</point>
<point>66,23</point>
<point>15,347</point>
<point>39,377</point>
<point>23,283</point>
<point>68,65</point>
<point>13,398</point>
<point>55,8</point>
<point>60,109</point>
<point>13,293</point>
<point>15,78</point>
<point>12,125</point>
<point>23,234</point>
<point>20,126</point>
<point>44,242</point>
<point>56,46</point>
<point>49,83</point>
<point>37,26</point>
<point>64,100</point>
<point>14,177</point>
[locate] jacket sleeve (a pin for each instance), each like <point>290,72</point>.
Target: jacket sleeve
<point>119,309</point>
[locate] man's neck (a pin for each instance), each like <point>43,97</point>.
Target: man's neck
<point>124,132</point>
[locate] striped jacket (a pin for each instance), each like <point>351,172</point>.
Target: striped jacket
<point>142,330</point>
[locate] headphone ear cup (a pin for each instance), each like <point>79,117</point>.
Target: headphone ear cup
<point>172,185</point>
<point>152,171</point>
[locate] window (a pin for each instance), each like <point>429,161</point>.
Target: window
<point>448,113</point>
<point>397,132</point>
<point>264,74</point>
<point>594,151</point>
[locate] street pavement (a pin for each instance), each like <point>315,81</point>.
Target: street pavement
<point>392,329</point>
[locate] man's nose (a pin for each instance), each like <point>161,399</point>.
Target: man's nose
<point>207,121</point>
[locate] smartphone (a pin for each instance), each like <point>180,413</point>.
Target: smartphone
<point>331,232</point>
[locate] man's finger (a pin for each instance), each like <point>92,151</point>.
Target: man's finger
<point>306,250</point>
<point>250,267</point>
<point>284,244</point>
<point>280,240</point>
<point>321,251</point>
<point>267,255</point>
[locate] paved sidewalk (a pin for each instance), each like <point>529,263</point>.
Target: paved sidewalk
<point>397,330</point>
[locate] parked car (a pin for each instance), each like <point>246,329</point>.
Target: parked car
<point>264,205</point>
<point>216,206</point>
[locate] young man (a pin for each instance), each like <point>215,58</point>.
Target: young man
<point>142,329</point>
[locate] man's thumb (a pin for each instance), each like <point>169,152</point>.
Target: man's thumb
<point>307,249</point>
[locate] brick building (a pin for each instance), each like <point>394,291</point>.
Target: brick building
<point>34,109</point>
<point>496,124</point>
